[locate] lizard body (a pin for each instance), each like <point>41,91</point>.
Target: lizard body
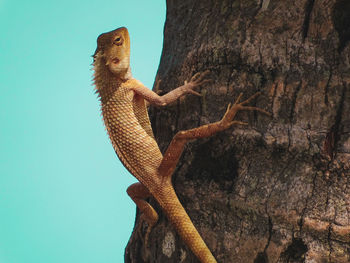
<point>124,111</point>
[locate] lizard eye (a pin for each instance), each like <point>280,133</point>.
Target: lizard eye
<point>118,41</point>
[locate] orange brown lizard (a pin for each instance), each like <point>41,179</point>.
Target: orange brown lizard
<point>123,102</point>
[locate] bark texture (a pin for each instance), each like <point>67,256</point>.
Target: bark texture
<point>277,190</point>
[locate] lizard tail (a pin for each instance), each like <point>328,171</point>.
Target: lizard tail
<point>184,226</point>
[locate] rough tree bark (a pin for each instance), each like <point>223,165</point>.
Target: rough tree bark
<point>277,190</point>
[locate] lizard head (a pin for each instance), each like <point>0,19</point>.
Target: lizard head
<point>114,48</point>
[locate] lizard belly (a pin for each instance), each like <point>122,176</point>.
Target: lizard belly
<point>129,131</point>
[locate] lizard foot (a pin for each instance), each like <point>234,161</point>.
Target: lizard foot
<point>227,119</point>
<point>196,80</point>
<point>138,192</point>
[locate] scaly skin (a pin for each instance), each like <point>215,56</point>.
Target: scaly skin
<point>123,102</point>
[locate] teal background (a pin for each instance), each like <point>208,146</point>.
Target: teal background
<point>62,188</point>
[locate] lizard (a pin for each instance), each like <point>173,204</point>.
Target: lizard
<point>124,112</point>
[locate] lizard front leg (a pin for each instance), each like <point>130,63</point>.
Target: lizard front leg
<point>152,97</point>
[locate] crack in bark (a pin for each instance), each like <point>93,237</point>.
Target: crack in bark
<point>338,119</point>
<point>294,101</point>
<point>274,95</point>
<point>270,225</point>
<point>303,211</point>
<point>327,86</point>
<point>244,181</point>
<point>260,54</point>
<point>330,242</point>
<point>306,24</point>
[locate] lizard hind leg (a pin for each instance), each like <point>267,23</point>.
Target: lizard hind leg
<point>138,192</point>
<point>167,197</point>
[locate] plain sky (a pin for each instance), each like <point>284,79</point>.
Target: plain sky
<point>62,188</point>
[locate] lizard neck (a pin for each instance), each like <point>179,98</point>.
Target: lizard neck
<point>105,81</point>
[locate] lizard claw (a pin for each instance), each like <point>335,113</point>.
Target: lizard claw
<point>239,98</point>
<point>241,105</point>
<point>255,109</point>
<point>250,98</point>
<point>238,122</point>
<point>195,93</point>
<point>227,119</point>
<point>196,80</point>
<point>195,76</point>
<point>227,110</point>
<point>199,78</point>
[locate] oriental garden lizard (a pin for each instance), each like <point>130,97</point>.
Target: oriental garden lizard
<point>123,102</point>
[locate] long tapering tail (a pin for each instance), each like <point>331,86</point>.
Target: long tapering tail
<point>183,224</point>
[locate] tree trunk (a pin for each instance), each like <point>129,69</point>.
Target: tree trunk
<point>277,190</point>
